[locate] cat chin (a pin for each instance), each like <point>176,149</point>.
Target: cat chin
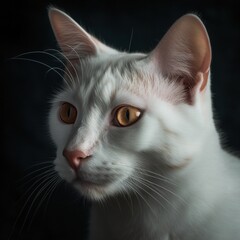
<point>93,191</point>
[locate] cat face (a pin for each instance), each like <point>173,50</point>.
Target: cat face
<point>121,116</point>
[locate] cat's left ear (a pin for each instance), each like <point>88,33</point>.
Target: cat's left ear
<point>73,40</point>
<point>184,54</point>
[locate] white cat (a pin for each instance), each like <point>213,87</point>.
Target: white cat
<point>135,134</point>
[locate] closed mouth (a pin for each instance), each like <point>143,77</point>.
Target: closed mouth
<point>88,183</point>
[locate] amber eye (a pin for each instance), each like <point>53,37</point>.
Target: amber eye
<point>68,113</point>
<point>126,115</point>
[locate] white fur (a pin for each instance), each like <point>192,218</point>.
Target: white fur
<point>166,176</point>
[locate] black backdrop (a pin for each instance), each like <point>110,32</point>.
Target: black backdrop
<point>27,90</point>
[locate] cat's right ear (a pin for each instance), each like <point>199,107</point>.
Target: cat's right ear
<point>73,40</point>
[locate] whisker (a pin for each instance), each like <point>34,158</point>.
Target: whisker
<point>53,183</point>
<point>144,190</point>
<point>39,163</point>
<point>67,59</point>
<point>62,55</point>
<point>46,184</point>
<point>58,182</point>
<point>125,195</point>
<point>130,41</point>
<point>118,203</point>
<point>33,172</point>
<point>41,63</point>
<point>61,70</point>
<point>71,62</point>
<point>131,202</point>
<point>135,192</point>
<point>43,176</point>
<point>24,206</point>
<point>164,188</point>
<point>162,178</point>
<point>147,186</point>
<point>69,74</point>
<point>149,173</point>
<point>155,190</point>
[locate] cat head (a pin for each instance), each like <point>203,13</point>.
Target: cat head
<point>123,115</point>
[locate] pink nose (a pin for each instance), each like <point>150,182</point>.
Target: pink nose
<point>74,157</point>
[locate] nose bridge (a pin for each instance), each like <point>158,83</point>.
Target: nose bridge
<point>86,136</point>
<point>82,139</point>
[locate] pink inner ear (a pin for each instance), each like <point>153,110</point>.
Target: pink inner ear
<point>74,41</point>
<point>183,52</point>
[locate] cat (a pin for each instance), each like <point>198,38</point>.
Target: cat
<point>135,135</point>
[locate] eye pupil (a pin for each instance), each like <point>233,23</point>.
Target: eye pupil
<point>127,115</point>
<point>69,112</point>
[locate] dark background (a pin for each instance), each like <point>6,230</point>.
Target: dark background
<point>27,90</point>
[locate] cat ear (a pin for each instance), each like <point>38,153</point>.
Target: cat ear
<point>184,54</point>
<point>73,40</point>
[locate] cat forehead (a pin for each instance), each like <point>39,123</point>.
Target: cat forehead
<point>124,64</point>
<point>103,77</point>
<point>99,81</point>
